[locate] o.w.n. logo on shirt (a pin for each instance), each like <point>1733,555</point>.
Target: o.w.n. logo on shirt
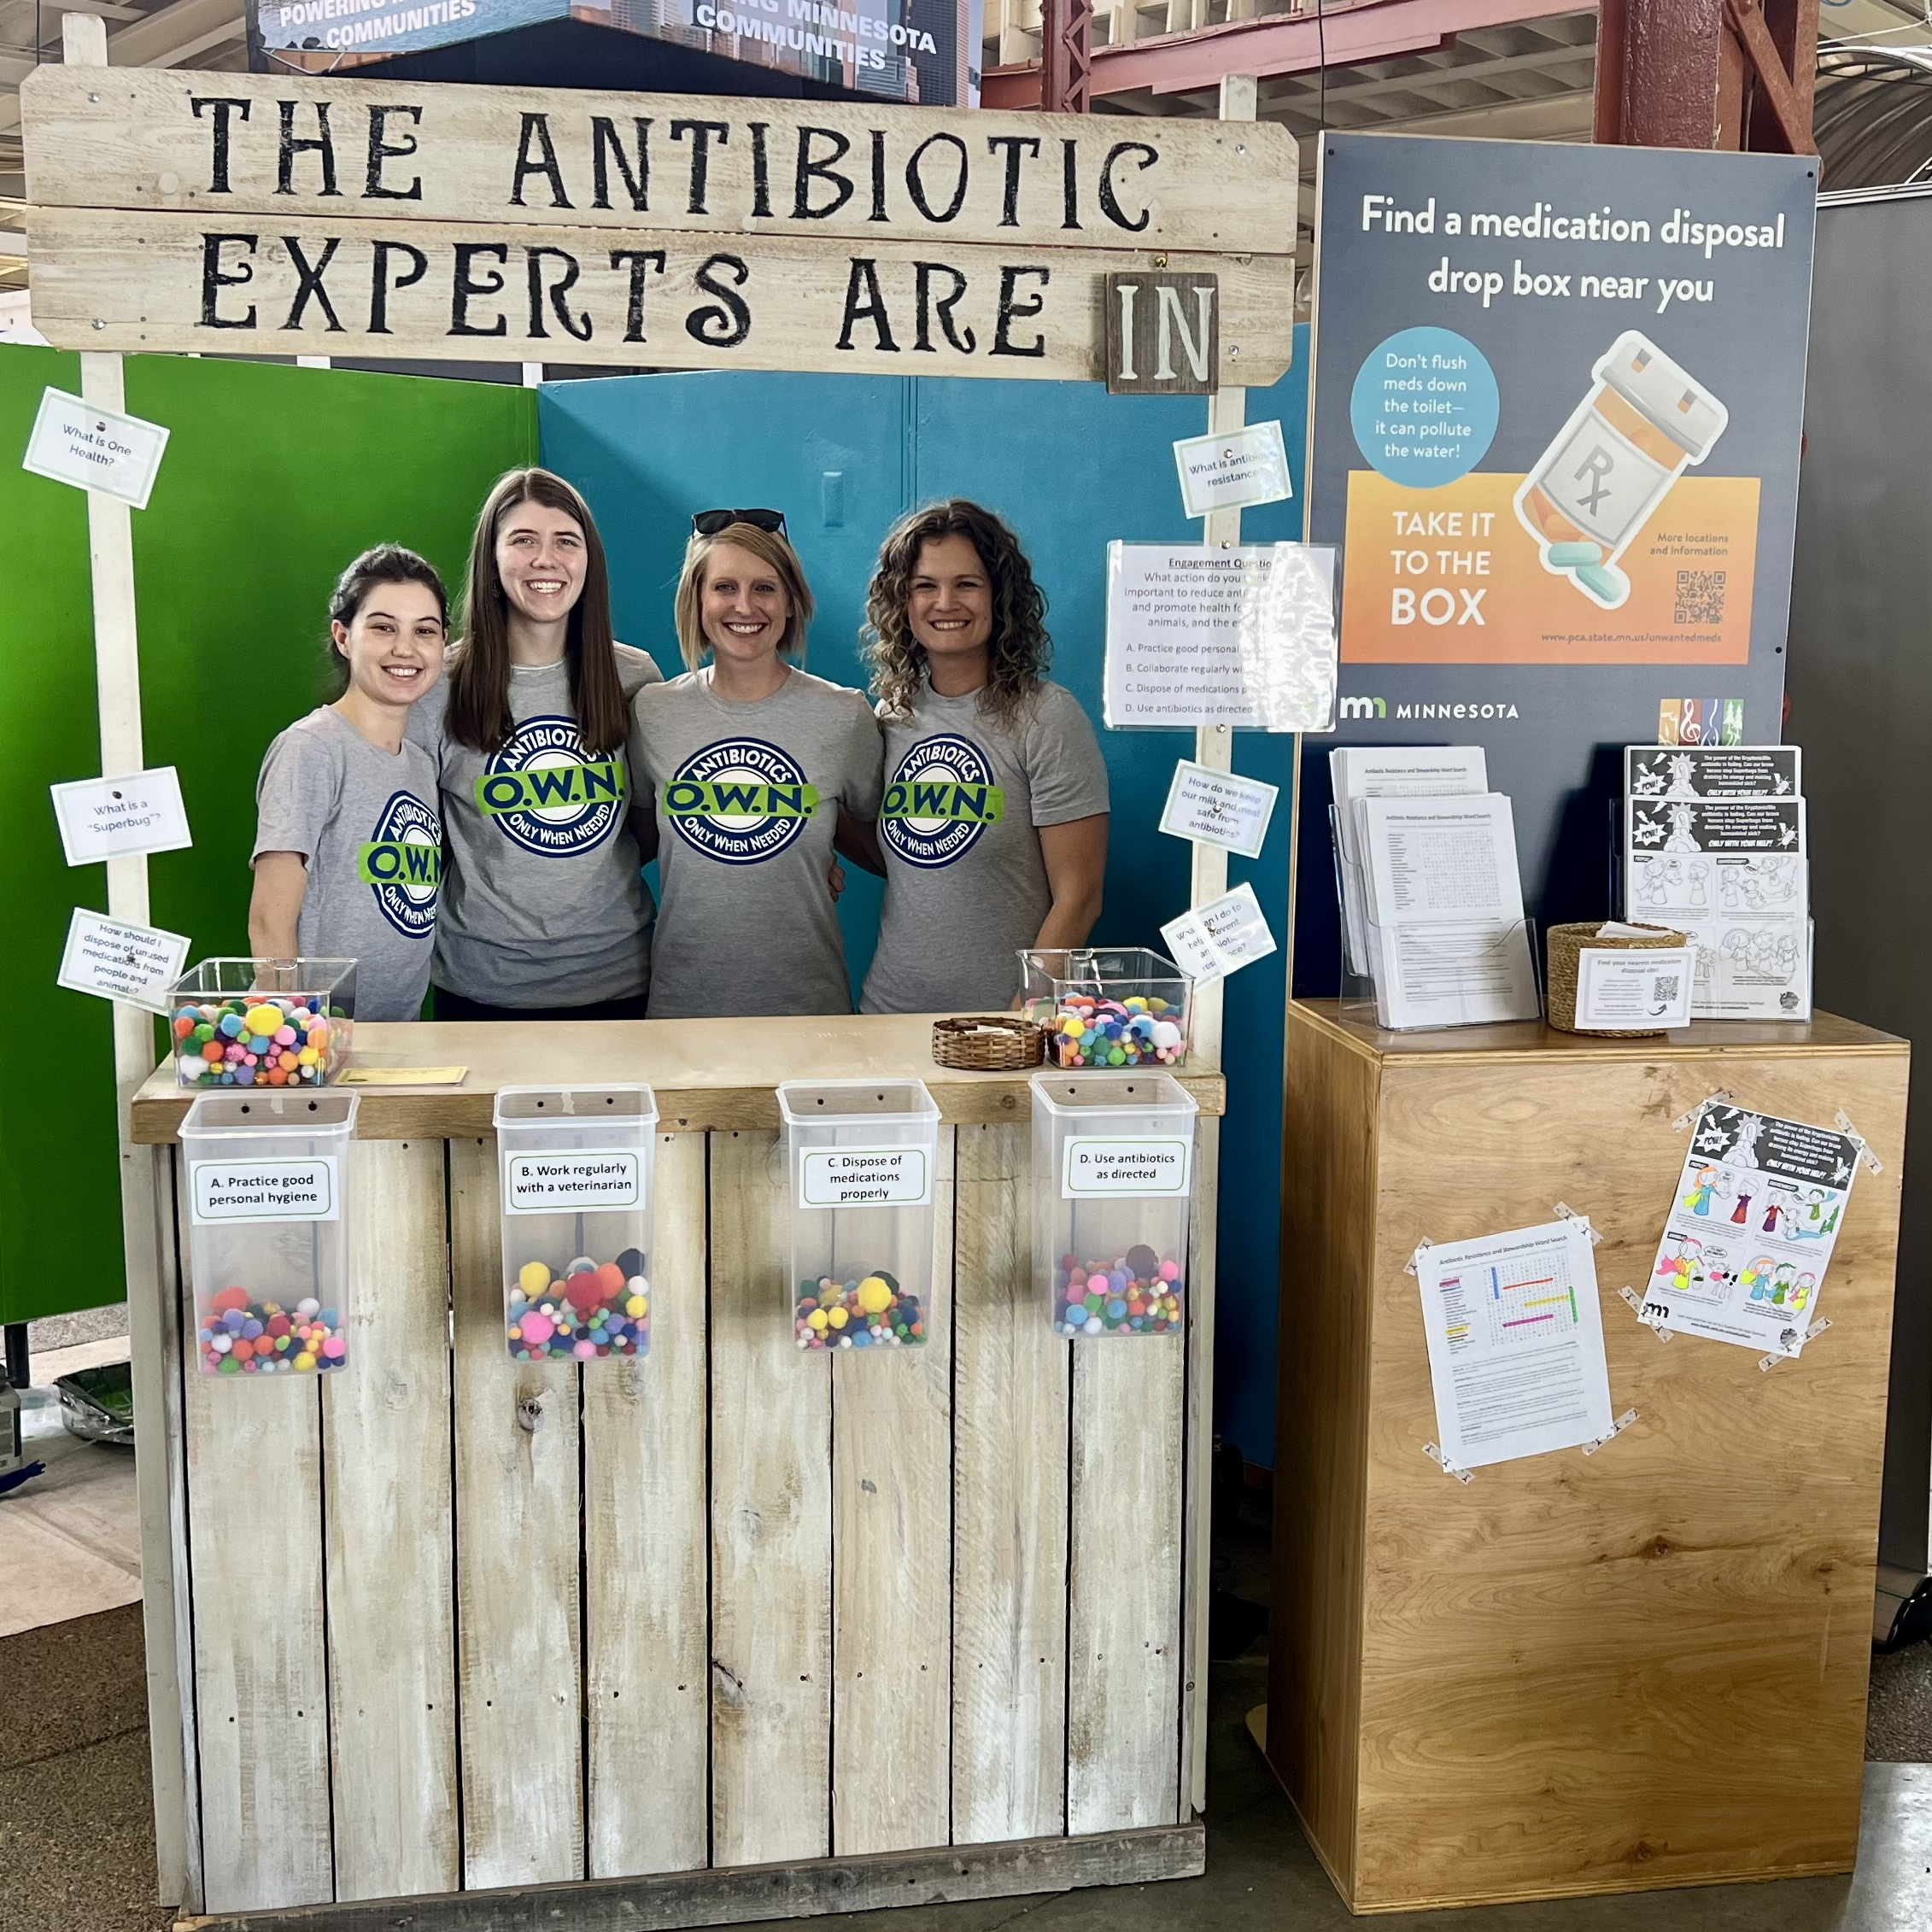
<point>939,801</point>
<point>546,795</point>
<point>740,801</point>
<point>402,864</point>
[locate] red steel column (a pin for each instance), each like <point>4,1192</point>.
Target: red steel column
<point>1066,56</point>
<point>1707,73</point>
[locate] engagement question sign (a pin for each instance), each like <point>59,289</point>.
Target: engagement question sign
<point>404,219</point>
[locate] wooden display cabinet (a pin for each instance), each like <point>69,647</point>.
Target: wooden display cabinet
<point>1645,1668</point>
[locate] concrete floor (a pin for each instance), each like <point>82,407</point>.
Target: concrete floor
<point>70,1540</point>
<point>77,1846</point>
<point>1261,1875</point>
<point>77,1851</point>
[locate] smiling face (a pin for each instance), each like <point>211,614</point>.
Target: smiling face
<point>393,643</point>
<point>949,601</point>
<point>540,561</point>
<point>742,606</point>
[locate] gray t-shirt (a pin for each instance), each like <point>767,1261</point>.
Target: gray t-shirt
<point>365,822</point>
<point>747,800</point>
<point>966,885</point>
<point>545,905</point>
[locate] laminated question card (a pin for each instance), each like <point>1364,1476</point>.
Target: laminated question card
<point>1515,1343</point>
<point>115,959</point>
<point>1218,808</point>
<point>120,817</point>
<point>1750,1229</point>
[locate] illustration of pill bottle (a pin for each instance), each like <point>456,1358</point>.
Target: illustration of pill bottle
<point>1614,462</point>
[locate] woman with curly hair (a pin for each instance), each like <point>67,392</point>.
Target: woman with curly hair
<point>993,828</point>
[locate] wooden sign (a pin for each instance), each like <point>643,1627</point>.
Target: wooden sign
<point>405,219</point>
<point>1163,333</point>
<point>440,289</point>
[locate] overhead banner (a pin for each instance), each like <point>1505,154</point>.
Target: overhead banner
<point>923,51</point>
<point>1557,399</point>
<point>285,215</point>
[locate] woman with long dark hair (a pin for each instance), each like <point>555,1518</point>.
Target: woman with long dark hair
<point>545,914</point>
<point>994,825</point>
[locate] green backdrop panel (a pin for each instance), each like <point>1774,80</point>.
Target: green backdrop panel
<point>274,477</point>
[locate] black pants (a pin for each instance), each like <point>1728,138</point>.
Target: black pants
<point>453,1006</point>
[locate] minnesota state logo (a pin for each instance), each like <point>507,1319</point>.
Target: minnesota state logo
<point>546,795</point>
<point>740,801</point>
<point>402,864</point>
<point>939,801</point>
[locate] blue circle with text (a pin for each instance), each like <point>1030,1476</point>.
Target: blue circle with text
<point>1424,406</point>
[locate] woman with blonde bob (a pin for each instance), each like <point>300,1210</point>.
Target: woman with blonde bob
<point>756,772</point>
<point>545,914</point>
<point>994,822</point>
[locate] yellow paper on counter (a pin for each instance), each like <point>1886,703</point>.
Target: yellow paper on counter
<point>403,1076</point>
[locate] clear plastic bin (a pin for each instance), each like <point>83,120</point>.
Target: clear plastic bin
<point>860,1155</point>
<point>267,1176</point>
<point>1120,1006</point>
<point>576,1166</point>
<point>262,1022</point>
<point>1113,1183</point>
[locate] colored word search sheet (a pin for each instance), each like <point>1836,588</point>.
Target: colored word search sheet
<point>1515,1343</point>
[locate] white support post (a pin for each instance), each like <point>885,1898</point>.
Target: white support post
<point>117,673</point>
<point>1214,744</point>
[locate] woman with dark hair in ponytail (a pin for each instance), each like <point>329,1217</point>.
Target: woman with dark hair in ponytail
<point>347,849</point>
<point>545,914</point>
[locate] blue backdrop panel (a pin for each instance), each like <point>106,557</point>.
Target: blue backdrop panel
<point>1070,467</point>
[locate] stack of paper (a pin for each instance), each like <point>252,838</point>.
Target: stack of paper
<point>1431,898</point>
<point>1714,845</point>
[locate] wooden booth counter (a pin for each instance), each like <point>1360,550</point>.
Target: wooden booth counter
<point>1644,1667</point>
<point>724,1632</point>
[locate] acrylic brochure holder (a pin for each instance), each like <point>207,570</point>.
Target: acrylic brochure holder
<point>1462,984</point>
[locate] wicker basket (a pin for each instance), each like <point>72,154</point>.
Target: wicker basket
<point>988,1043</point>
<point>1566,942</point>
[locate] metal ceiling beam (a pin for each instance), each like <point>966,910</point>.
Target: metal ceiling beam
<point>1181,63</point>
<point>1295,90</point>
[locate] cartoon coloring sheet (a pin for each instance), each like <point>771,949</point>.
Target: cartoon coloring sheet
<point>1712,771</point>
<point>1750,1233</point>
<point>1730,874</point>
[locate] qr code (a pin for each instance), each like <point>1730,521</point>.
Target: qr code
<point>1664,988</point>
<point>1701,596</point>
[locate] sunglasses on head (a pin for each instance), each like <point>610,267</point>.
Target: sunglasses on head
<point>713,522</point>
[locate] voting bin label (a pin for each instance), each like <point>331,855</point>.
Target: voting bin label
<point>1132,1170</point>
<point>305,1189</point>
<point>584,1179</point>
<point>864,1177</point>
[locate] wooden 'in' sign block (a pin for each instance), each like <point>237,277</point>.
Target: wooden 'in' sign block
<point>1163,334</point>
